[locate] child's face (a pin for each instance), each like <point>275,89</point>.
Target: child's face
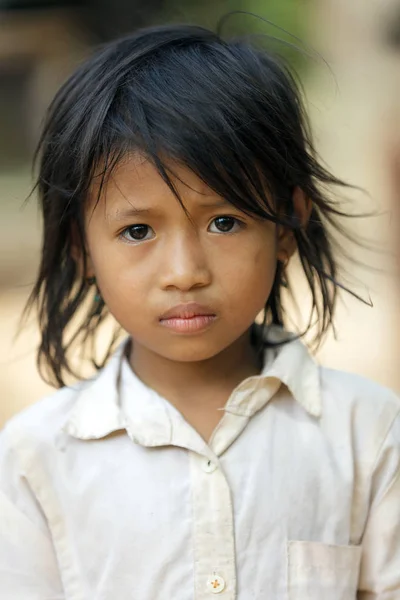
<point>148,257</point>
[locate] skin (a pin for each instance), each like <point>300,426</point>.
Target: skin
<point>181,260</point>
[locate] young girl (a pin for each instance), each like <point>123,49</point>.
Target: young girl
<point>210,455</point>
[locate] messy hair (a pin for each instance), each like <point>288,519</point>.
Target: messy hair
<point>229,111</point>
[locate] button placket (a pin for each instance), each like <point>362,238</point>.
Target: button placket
<point>213,534</point>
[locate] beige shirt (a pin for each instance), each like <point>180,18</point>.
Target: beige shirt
<point>106,493</point>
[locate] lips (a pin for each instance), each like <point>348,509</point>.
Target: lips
<point>188,318</point>
<point>187,311</point>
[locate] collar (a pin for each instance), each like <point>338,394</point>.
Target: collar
<point>105,404</point>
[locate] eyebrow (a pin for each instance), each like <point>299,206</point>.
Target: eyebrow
<point>121,215</point>
<point>221,204</point>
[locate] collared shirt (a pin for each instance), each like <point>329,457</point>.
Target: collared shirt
<point>107,493</point>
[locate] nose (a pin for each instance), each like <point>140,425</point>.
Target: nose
<point>185,265</point>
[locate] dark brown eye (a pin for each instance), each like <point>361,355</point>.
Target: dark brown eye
<point>137,233</point>
<point>224,225</point>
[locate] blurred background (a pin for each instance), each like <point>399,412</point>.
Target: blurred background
<point>350,68</point>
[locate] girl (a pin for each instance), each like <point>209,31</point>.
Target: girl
<point>209,455</point>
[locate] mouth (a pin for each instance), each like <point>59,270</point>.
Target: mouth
<point>188,318</point>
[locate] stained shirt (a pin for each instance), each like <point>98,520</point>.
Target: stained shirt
<point>107,493</point>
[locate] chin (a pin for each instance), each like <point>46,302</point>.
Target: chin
<point>192,354</point>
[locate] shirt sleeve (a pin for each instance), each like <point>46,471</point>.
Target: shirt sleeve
<point>28,565</point>
<point>380,562</point>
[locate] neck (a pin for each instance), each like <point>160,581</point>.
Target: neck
<point>221,373</point>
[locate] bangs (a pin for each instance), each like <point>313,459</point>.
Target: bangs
<point>181,110</point>
<point>220,110</point>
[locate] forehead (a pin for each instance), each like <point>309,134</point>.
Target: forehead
<point>135,180</point>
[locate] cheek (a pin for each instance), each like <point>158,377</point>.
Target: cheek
<point>250,276</point>
<point>116,266</point>
<point>263,272</point>
<point>265,252</point>
<point>265,256</point>
<point>259,257</point>
<point>122,281</point>
<point>123,289</point>
<point>127,301</point>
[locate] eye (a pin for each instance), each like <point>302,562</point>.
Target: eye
<point>225,224</point>
<point>137,233</point>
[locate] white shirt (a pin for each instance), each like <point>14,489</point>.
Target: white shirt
<point>108,494</point>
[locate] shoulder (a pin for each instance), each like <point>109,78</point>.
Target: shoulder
<point>40,423</point>
<point>94,402</point>
<point>354,403</point>
<point>345,388</point>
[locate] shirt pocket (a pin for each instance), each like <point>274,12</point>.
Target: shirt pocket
<point>320,571</point>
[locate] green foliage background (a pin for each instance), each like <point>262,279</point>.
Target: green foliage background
<point>288,21</point>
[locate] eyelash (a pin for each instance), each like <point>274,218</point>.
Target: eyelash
<point>237,222</point>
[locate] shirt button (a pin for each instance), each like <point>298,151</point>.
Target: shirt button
<point>209,466</point>
<point>216,584</point>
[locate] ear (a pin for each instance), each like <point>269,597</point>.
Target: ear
<point>302,206</point>
<point>79,252</point>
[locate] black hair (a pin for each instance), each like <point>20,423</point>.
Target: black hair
<point>228,110</point>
